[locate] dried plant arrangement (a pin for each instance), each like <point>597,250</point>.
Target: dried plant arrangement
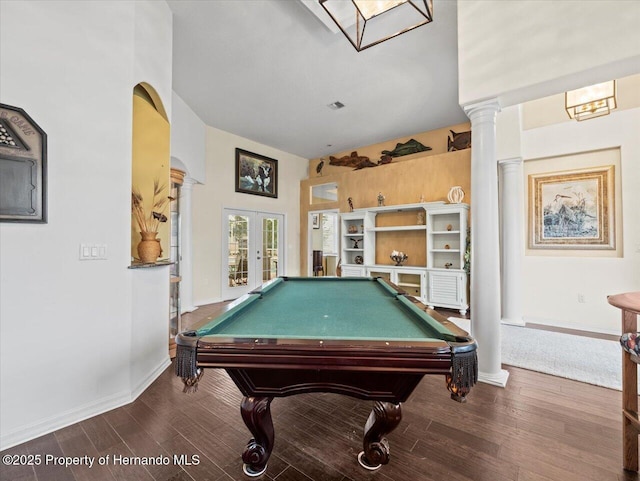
<point>159,204</point>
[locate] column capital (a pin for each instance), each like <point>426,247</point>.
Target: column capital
<point>484,107</point>
<point>189,182</point>
<point>514,161</point>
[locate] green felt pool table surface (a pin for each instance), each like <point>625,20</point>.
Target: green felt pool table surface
<point>327,308</point>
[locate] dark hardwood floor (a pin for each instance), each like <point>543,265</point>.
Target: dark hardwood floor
<point>539,428</point>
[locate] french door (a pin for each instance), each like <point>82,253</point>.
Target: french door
<point>253,250</point>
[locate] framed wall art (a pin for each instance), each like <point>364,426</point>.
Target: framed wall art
<point>23,167</point>
<point>256,174</point>
<point>572,209</point>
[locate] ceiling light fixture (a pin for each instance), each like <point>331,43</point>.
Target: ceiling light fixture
<point>369,22</point>
<point>591,102</point>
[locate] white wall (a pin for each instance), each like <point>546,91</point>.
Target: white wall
<point>219,192</point>
<point>552,47</point>
<point>553,280</point>
<point>68,328</point>
<point>188,135</point>
<point>508,133</point>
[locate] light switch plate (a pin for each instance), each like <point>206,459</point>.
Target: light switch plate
<point>93,252</point>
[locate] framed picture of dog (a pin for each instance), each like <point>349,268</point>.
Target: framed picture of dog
<point>256,174</point>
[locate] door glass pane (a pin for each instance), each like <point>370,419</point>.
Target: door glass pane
<point>269,248</point>
<point>238,244</point>
<point>329,225</point>
<point>174,242</point>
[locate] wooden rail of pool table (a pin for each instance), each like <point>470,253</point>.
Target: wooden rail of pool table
<point>629,303</point>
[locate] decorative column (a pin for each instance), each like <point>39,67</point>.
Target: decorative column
<point>186,243</point>
<point>512,205</point>
<point>485,241</point>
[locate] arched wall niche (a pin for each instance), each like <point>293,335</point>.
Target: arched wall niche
<point>150,167</point>
<point>147,91</point>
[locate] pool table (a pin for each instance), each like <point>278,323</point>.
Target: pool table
<point>362,337</point>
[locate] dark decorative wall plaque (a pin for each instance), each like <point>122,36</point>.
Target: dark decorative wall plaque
<point>23,167</point>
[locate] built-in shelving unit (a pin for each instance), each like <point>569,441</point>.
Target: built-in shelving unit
<point>175,317</point>
<point>352,243</point>
<point>433,234</point>
<point>447,231</point>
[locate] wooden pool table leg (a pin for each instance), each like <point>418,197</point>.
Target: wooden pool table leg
<point>384,418</point>
<point>256,414</point>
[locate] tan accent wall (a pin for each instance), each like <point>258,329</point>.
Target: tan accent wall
<point>429,175</point>
<point>150,162</point>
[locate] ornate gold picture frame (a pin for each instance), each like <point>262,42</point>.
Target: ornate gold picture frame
<point>572,210</point>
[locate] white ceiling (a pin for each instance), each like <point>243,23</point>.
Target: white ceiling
<point>267,69</point>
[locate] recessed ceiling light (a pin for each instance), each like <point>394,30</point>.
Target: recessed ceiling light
<point>336,105</point>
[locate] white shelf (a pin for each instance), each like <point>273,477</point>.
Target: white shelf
<point>398,228</point>
<point>401,208</point>
<point>441,232</point>
<point>445,250</point>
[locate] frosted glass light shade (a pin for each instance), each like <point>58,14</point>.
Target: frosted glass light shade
<point>590,102</point>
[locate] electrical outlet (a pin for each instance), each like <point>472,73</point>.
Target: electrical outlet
<point>581,298</point>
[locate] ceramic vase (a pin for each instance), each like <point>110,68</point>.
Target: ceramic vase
<point>456,194</point>
<point>149,247</point>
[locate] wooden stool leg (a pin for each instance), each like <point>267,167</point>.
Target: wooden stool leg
<point>629,399</point>
<point>629,304</point>
<point>629,412</point>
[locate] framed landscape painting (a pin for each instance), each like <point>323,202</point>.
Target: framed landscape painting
<point>256,174</point>
<point>572,210</point>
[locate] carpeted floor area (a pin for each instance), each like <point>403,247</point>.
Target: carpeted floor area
<point>585,359</point>
<point>595,361</point>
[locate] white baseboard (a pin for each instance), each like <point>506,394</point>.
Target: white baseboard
<point>565,325</point>
<point>496,379</point>
<point>513,322</point>
<point>79,413</point>
<point>62,420</point>
<point>147,381</point>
